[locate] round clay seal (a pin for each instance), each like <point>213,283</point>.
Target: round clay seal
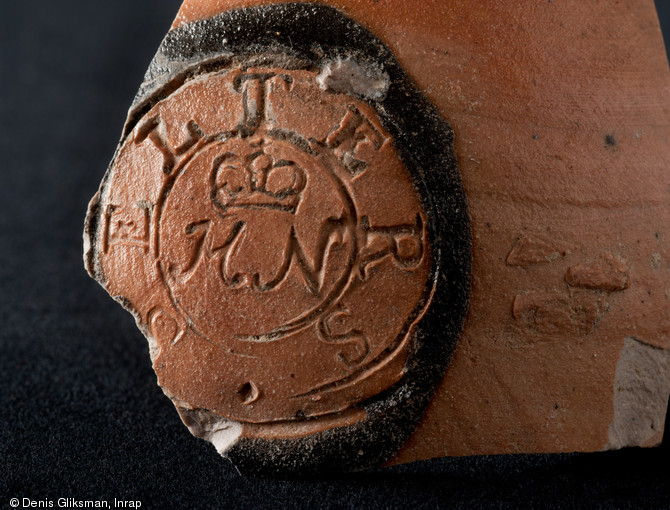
<point>294,243</point>
<point>284,244</point>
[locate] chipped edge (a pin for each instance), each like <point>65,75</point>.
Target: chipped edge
<point>221,432</point>
<point>641,391</point>
<point>350,77</point>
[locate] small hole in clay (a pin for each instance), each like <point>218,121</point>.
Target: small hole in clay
<point>248,393</point>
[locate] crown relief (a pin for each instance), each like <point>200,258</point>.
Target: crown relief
<point>256,180</point>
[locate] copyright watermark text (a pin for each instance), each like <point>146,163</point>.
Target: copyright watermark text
<point>73,503</point>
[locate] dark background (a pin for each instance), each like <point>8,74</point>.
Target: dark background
<point>81,415</point>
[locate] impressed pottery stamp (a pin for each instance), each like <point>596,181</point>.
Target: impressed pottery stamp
<point>287,226</point>
<point>272,244</point>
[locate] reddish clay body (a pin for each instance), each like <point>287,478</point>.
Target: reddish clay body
<point>561,115</point>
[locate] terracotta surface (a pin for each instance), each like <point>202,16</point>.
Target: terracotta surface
<point>249,185</point>
<point>561,113</point>
<point>260,248</point>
